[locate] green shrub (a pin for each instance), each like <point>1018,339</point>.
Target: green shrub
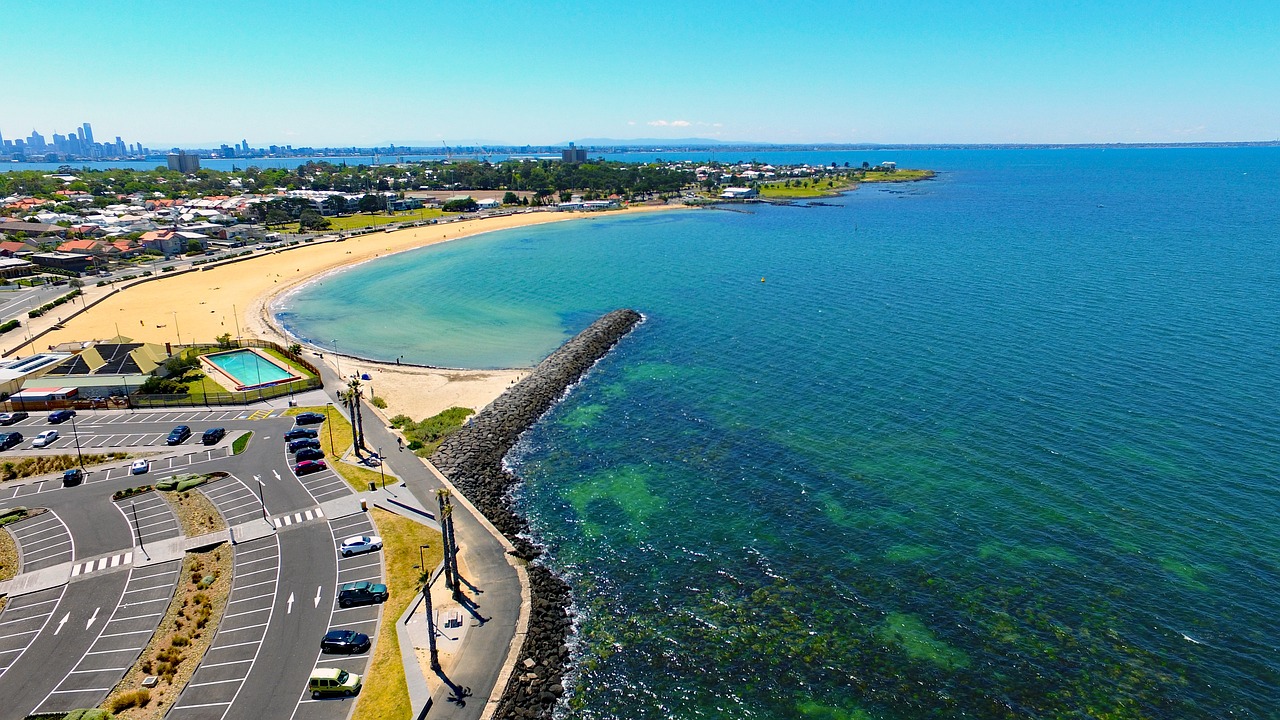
<point>6,327</point>
<point>240,443</point>
<point>377,401</point>
<point>189,483</point>
<point>90,714</point>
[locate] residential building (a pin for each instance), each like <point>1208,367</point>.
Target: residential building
<point>573,154</point>
<point>182,162</point>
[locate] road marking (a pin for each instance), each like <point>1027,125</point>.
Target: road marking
<point>290,602</point>
<point>317,600</point>
<point>93,619</point>
<point>62,622</point>
<point>273,472</point>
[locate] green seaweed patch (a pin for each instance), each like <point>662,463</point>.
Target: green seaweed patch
<point>1025,554</point>
<point>908,553</point>
<point>918,642</point>
<point>584,415</point>
<point>1188,574</point>
<point>626,489</point>
<point>655,371</point>
<point>818,711</point>
<point>860,519</point>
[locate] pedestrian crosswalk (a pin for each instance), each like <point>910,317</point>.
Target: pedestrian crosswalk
<point>88,566</point>
<point>261,414</point>
<point>298,517</point>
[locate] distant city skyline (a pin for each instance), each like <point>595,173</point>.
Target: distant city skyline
<point>486,73</point>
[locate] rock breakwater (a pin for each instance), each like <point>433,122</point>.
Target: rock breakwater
<point>472,460</point>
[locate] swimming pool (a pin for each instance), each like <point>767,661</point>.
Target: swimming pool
<point>248,369</point>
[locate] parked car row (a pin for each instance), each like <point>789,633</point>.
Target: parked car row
<point>11,439</point>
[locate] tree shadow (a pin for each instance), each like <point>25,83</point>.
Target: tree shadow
<point>457,694</point>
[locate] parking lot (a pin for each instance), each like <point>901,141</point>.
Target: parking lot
<point>122,637</point>
<point>43,541</point>
<point>361,618</point>
<point>237,503</point>
<point>21,622</point>
<point>150,517</point>
<point>222,673</point>
<point>324,485</point>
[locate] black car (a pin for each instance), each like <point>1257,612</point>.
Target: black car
<point>178,434</point>
<point>60,416</point>
<point>308,418</point>
<point>72,477</point>
<point>308,454</point>
<point>344,641</point>
<point>8,440</point>
<point>297,445</point>
<point>13,417</point>
<point>300,433</point>
<point>361,592</point>
<point>213,435</point>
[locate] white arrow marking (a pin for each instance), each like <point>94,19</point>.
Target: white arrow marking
<point>317,601</point>
<point>273,472</point>
<point>92,619</point>
<point>257,478</point>
<point>290,601</point>
<point>62,622</point>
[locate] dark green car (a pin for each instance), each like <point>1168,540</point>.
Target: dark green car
<point>361,593</point>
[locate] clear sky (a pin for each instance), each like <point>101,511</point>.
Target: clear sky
<point>901,71</point>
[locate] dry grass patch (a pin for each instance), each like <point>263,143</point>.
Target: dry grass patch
<point>386,693</point>
<point>33,465</point>
<point>196,514</point>
<point>181,639</point>
<point>8,556</point>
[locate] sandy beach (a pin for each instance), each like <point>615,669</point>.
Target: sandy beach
<point>234,298</point>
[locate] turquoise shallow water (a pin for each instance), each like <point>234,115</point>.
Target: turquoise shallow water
<point>248,367</point>
<point>999,445</point>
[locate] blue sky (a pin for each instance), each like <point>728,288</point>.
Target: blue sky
<point>329,73</point>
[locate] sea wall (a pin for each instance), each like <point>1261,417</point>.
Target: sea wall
<point>472,460</point>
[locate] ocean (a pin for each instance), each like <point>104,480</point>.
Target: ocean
<point>1003,444</point>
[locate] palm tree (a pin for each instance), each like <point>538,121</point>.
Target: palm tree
<point>446,534</point>
<point>355,394</point>
<point>425,580</point>
<point>347,398</point>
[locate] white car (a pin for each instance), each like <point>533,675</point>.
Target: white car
<point>139,467</point>
<point>359,544</point>
<point>44,438</point>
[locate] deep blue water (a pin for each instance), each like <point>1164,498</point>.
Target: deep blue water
<point>1002,444</point>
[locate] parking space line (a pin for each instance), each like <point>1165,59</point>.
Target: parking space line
<point>266,582</point>
<point>215,682</point>
<point>201,705</point>
<point>116,669</point>
<point>243,612</point>
<point>84,690</point>
<point>18,634</point>
<point>255,597</point>
<point>228,662</point>
<point>138,617</point>
<point>232,645</point>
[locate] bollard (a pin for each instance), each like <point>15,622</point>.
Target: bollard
<point>373,486</point>
<point>231,532</point>
<point>364,506</point>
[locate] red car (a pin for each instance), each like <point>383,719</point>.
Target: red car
<point>307,467</point>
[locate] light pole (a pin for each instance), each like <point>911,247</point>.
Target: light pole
<point>381,471</point>
<point>175,327</point>
<point>263,503</point>
<point>236,315</point>
<point>332,450</point>
<point>138,530</point>
<point>76,435</point>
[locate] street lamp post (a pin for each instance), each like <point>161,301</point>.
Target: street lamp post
<point>261,501</point>
<point>175,327</point>
<point>382,471</point>
<point>332,450</point>
<point>76,435</point>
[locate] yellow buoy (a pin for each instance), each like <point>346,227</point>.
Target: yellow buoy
<point>761,279</point>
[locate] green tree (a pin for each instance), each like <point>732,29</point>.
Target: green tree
<point>224,341</point>
<point>371,203</point>
<point>276,216</point>
<point>312,220</point>
<point>335,204</point>
<point>510,198</point>
<point>194,247</point>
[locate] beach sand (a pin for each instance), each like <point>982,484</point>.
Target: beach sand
<point>235,299</point>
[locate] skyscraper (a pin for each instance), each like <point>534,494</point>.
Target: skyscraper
<point>88,134</point>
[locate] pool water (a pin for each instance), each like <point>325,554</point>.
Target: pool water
<point>248,368</point>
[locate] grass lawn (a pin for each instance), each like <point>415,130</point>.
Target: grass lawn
<point>281,357</point>
<point>361,220</point>
<point>385,693</point>
<point>897,176</point>
<point>239,444</point>
<point>822,188</point>
<point>337,428</point>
